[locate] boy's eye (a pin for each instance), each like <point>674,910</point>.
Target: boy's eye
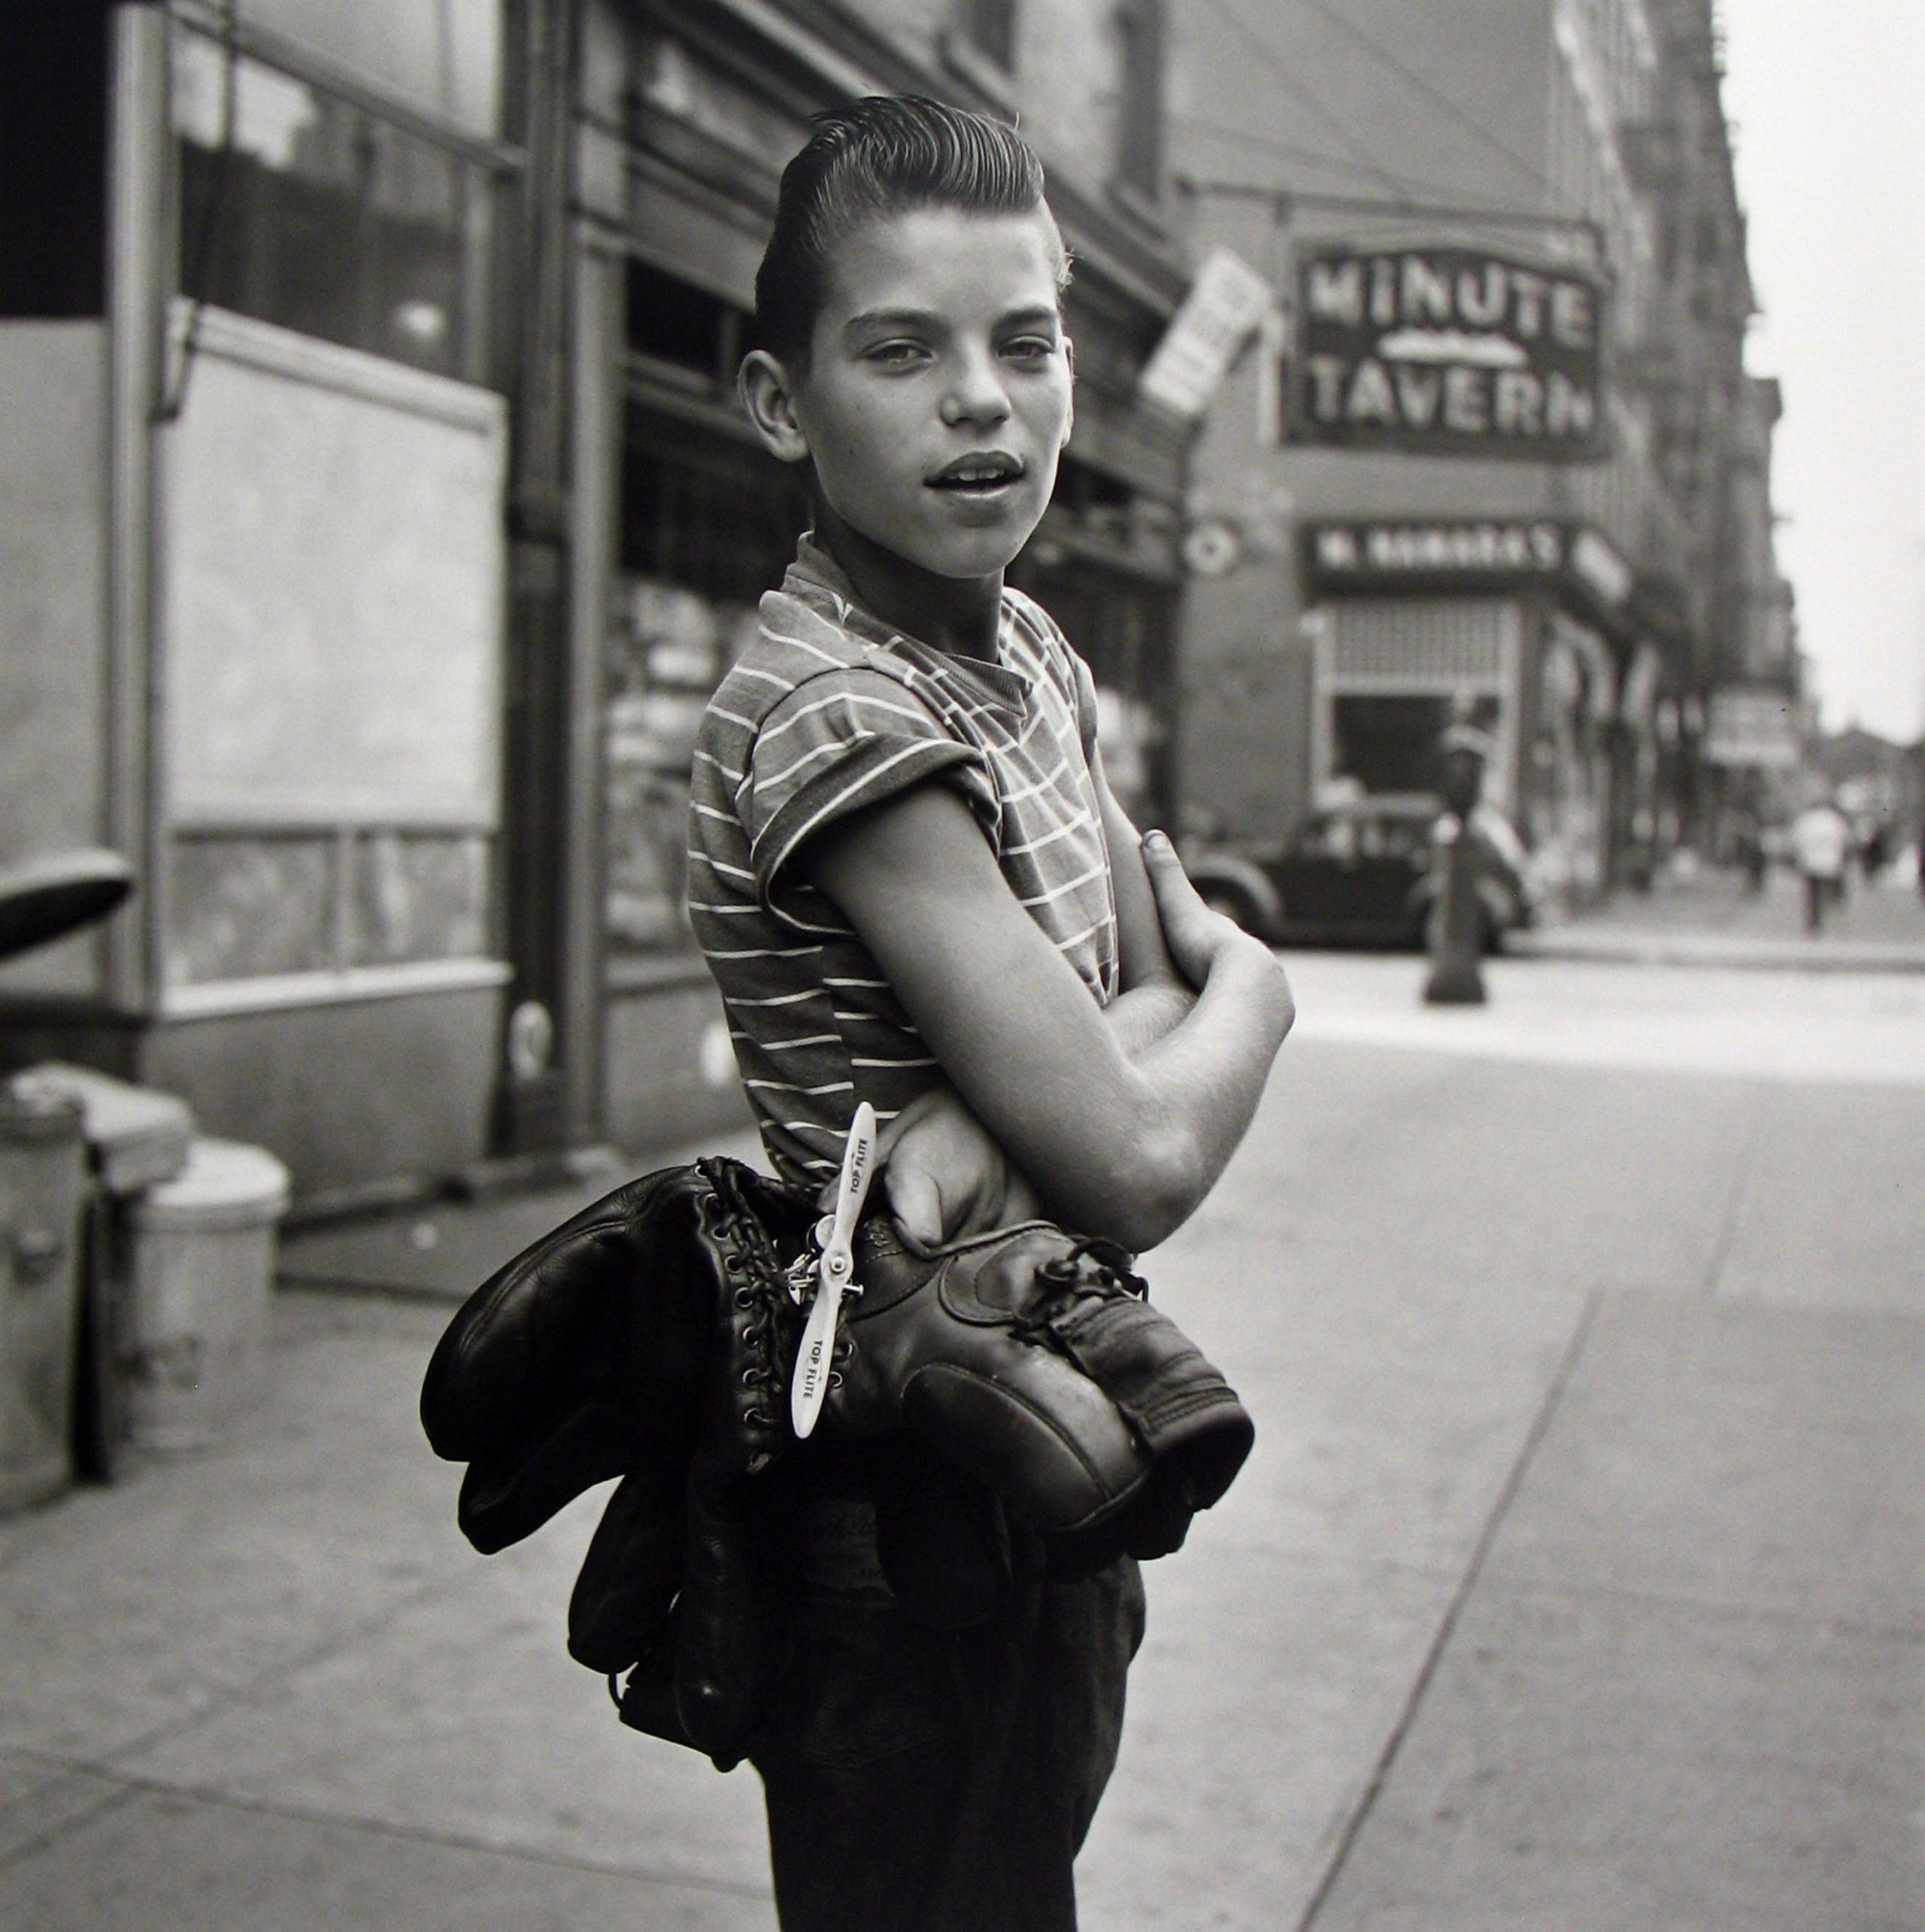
<point>1030,348</point>
<point>896,355</point>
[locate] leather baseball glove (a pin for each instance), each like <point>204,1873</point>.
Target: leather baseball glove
<point>654,1336</point>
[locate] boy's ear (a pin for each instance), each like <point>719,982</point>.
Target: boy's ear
<point>768,395</point>
<point>1069,420</point>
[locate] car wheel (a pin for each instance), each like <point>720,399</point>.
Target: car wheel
<point>1233,905</point>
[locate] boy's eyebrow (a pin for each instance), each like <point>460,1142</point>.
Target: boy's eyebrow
<point>930,318</point>
<point>889,318</point>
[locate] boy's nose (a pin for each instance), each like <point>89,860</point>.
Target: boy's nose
<point>976,394</point>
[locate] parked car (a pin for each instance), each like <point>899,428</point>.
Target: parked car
<point>1362,874</point>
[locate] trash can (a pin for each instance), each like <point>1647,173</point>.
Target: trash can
<point>43,1182</point>
<point>193,1332</point>
<point>136,1137</point>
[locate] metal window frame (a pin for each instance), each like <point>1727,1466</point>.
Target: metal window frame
<point>286,56</point>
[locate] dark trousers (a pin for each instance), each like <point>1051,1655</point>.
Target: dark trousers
<point>1820,892</point>
<point>923,1780</point>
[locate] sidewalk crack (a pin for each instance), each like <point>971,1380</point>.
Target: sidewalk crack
<point>1500,1509</point>
<point>1739,1192</point>
<point>110,1793</point>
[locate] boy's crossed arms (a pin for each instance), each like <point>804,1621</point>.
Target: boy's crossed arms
<point>1116,1120</point>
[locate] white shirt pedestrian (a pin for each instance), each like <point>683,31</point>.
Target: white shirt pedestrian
<point>1820,840</point>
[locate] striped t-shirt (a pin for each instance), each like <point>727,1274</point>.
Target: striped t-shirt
<point>830,710</point>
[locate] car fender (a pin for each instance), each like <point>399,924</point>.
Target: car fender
<point>1241,876</point>
<point>1501,906</point>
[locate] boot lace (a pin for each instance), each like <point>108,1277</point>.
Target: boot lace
<point>1091,1269</point>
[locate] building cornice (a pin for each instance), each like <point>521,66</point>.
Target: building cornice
<point>804,55</point>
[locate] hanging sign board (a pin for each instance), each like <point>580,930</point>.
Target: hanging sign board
<point>1453,351</point>
<point>1753,725</point>
<point>1225,303</point>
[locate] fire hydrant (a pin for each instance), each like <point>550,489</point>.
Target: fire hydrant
<point>1456,918</point>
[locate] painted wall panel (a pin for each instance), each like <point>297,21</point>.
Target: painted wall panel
<point>333,588</point>
<point>669,1073</point>
<point>347,1094</point>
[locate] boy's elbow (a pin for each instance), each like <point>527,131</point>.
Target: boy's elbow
<point>1166,1178</point>
<point>1279,1003</point>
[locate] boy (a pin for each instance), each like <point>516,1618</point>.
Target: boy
<point>914,886</point>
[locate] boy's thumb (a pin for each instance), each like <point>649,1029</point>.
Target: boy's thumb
<point>1160,860</point>
<point>915,1202</point>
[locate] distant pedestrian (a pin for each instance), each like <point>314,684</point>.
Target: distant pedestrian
<point>1821,844</point>
<point>1874,850</point>
<point>1751,844</point>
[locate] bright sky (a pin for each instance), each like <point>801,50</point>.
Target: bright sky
<point>1829,105</point>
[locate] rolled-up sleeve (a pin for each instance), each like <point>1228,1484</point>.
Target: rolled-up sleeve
<point>839,742</point>
<point>1086,704</point>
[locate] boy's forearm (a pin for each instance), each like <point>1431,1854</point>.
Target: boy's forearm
<point>1146,1013</point>
<point>1196,1077</point>
<point>1209,1070</point>
<point>1116,1142</point>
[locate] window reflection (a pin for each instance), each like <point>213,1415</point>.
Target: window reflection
<point>304,210</point>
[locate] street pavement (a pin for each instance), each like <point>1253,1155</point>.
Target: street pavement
<point>1577,1581</point>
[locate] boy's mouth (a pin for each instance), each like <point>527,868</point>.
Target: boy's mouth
<point>980,474</point>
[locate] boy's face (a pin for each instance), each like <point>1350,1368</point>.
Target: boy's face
<point>937,396</point>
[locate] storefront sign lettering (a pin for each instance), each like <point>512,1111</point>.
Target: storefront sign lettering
<point>1450,350</point>
<point>1526,549</point>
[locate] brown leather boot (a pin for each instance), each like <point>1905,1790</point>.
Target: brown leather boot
<point>1035,1361</point>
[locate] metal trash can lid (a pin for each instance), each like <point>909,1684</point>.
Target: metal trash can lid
<point>138,1135</point>
<point>226,1184</point>
<point>31,1116</point>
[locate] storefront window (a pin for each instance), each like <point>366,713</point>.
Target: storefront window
<point>445,54</point>
<point>672,321</point>
<point>708,525</point>
<point>1390,743</point>
<point>304,209</point>
<point>1120,626</point>
<point>253,904</point>
<point>668,651</point>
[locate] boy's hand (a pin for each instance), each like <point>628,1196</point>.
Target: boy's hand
<point>946,1176</point>
<point>1193,933</point>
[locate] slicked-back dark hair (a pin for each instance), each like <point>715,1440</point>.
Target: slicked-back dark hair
<point>889,154</point>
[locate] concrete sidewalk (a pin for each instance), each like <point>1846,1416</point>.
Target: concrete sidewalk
<point>1707,918</point>
<point>1575,1582</point>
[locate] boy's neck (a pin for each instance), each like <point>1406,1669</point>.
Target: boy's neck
<point>958,615</point>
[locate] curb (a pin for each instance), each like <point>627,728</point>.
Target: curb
<point>1758,955</point>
